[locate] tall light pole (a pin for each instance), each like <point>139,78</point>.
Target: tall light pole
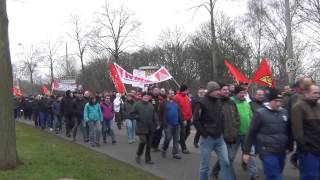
<point>289,39</point>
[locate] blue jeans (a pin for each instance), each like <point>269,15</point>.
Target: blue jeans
<point>207,145</point>
<point>309,165</point>
<point>131,129</point>
<point>94,132</point>
<point>232,152</point>
<point>107,130</point>
<point>273,166</point>
<point>252,166</point>
<point>43,117</point>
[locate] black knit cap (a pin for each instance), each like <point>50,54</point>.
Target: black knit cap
<point>273,93</point>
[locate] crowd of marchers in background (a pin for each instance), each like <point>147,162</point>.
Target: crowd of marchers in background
<point>267,124</point>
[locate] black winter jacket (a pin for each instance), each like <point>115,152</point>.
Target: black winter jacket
<point>208,117</point>
<point>270,132</point>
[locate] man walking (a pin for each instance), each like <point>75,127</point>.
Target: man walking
<point>306,132</point>
<point>170,121</point>
<point>270,133</point>
<point>145,115</point>
<point>208,119</point>
<point>184,104</point>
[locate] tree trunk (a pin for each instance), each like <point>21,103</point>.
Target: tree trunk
<point>31,81</point>
<point>51,72</point>
<point>214,61</point>
<point>8,152</point>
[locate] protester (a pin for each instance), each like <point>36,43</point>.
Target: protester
<point>258,100</point>
<point>231,124</point>
<point>157,135</point>
<point>245,114</point>
<point>79,104</point>
<point>56,107</point>
<point>200,94</point>
<point>306,131</point>
<point>43,111</point>
<point>170,120</point>
<point>208,119</point>
<point>184,104</point>
<point>147,119</point>
<point>130,122</point>
<point>117,103</point>
<point>108,115</point>
<point>93,115</point>
<point>35,111</point>
<point>67,110</point>
<point>287,92</point>
<point>270,134</point>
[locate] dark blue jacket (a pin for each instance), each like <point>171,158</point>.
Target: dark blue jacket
<point>269,131</point>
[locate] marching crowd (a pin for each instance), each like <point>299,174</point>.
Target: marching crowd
<point>268,124</point>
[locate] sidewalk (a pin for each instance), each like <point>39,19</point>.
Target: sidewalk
<point>170,169</point>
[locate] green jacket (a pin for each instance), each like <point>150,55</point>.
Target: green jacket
<point>147,119</point>
<point>92,112</point>
<point>245,114</point>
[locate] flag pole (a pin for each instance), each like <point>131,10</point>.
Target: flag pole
<point>175,81</point>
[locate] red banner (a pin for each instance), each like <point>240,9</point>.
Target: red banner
<point>16,91</point>
<point>116,79</point>
<point>263,75</point>
<point>45,91</point>
<point>235,73</point>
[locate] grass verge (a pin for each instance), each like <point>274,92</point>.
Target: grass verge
<point>48,157</point>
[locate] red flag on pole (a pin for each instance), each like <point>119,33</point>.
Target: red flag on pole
<point>16,91</point>
<point>116,79</point>
<point>263,75</point>
<point>45,91</point>
<point>235,73</point>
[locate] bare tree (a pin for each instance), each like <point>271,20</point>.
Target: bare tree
<point>210,6</point>
<point>51,49</point>
<point>309,12</point>
<point>30,60</point>
<point>67,66</point>
<point>81,35</point>
<point>116,31</point>
<point>8,153</point>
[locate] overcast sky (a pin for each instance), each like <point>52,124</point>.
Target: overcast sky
<point>36,21</point>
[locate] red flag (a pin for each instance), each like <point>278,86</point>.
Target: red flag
<point>55,85</point>
<point>45,90</point>
<point>116,79</point>
<point>263,75</point>
<point>16,91</point>
<point>236,74</point>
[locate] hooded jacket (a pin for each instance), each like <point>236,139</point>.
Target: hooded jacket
<point>184,104</point>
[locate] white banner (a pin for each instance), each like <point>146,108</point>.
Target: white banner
<point>159,76</point>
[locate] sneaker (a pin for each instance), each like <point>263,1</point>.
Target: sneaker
<point>138,160</point>
<point>104,142</point>
<point>163,154</point>
<point>114,142</point>
<point>130,142</point>
<point>185,151</point>
<point>176,156</point>
<point>51,129</point>
<point>196,145</point>
<point>149,162</point>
